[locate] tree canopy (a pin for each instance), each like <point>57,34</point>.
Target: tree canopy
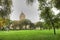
<point>5,9</point>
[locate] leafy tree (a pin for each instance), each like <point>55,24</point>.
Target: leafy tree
<point>57,20</point>
<point>14,24</point>
<point>32,26</point>
<point>25,22</point>
<point>44,6</point>
<point>21,23</point>
<point>6,8</point>
<point>39,24</point>
<point>1,22</point>
<point>46,12</point>
<point>47,15</point>
<point>56,3</point>
<point>30,2</point>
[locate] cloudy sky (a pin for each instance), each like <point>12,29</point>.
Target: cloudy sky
<point>31,12</point>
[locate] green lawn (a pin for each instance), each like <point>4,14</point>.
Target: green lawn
<point>29,35</point>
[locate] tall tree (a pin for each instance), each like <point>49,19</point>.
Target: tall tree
<point>46,13</point>
<point>6,8</point>
<point>44,5</point>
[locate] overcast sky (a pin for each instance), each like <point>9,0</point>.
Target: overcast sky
<point>31,12</point>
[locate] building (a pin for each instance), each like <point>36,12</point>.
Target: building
<point>23,23</point>
<point>22,16</point>
<point>15,24</point>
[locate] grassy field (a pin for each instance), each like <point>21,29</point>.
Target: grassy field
<point>29,35</point>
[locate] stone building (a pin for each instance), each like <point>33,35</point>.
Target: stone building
<point>15,24</point>
<point>22,16</point>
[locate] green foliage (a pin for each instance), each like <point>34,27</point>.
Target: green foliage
<point>30,2</point>
<point>45,12</point>
<point>39,24</point>
<point>44,3</point>
<point>32,25</point>
<point>6,8</point>
<point>41,4</point>
<point>25,22</point>
<point>57,21</point>
<point>21,23</point>
<point>57,4</point>
<point>4,22</point>
<point>47,15</point>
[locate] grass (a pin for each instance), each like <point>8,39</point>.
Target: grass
<point>29,35</point>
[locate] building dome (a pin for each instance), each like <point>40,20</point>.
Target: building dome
<point>22,16</point>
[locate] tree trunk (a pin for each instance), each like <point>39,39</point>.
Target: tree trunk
<point>25,27</point>
<point>52,22</point>
<point>53,26</point>
<point>54,31</point>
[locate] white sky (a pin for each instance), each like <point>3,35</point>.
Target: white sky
<point>31,12</point>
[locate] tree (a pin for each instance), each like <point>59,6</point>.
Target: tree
<point>16,24</point>
<point>57,20</point>
<point>24,22</point>
<point>5,9</point>
<point>4,22</point>
<point>32,26</point>
<point>56,3</point>
<point>1,23</point>
<point>30,2</point>
<point>48,17</point>
<point>39,24</point>
<point>46,12</point>
<point>44,4</point>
